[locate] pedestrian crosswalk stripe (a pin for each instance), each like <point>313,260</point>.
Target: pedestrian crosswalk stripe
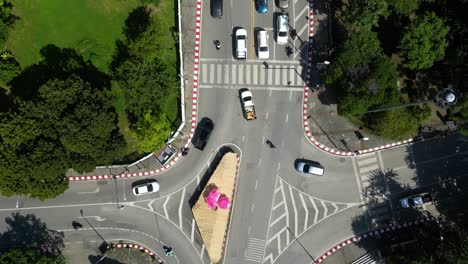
<point>368,168</point>
<point>367,161</point>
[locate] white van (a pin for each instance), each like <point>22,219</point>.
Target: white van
<point>262,45</point>
<point>241,44</point>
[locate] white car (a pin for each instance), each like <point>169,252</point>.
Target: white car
<point>282,29</point>
<point>150,187</point>
<point>241,44</point>
<point>262,45</point>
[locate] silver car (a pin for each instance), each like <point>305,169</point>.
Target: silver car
<point>309,167</point>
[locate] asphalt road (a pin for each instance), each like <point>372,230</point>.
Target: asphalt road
<point>279,215</point>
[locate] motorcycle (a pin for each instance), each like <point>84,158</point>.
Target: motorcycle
<point>289,51</point>
<point>217,44</point>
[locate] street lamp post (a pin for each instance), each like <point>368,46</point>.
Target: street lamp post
<point>84,217</point>
<point>301,244</point>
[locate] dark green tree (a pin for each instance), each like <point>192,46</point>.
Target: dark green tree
<point>424,41</point>
<point>151,131</point>
<point>82,119</point>
<point>361,48</point>
<point>145,83</point>
<point>364,14</point>
<point>28,256</point>
<point>9,67</point>
<point>403,7</point>
<point>398,124</point>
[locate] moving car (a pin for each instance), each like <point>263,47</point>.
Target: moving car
<point>283,4</point>
<point>150,187</point>
<point>241,44</point>
<point>202,133</point>
<point>262,45</point>
<point>309,167</point>
<point>216,8</point>
<point>261,6</point>
<point>415,200</point>
<point>248,106</point>
<point>282,29</point>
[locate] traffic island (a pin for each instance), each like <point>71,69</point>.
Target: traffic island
<point>212,209</point>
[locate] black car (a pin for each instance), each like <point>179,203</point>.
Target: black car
<point>202,133</point>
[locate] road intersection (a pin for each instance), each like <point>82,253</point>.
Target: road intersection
<point>279,216</point>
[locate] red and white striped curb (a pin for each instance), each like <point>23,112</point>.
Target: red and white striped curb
<point>129,245</point>
<point>370,234</point>
<point>193,120</point>
<point>306,99</point>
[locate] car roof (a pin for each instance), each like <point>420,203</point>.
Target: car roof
<point>283,22</point>
<point>241,32</point>
<point>263,37</point>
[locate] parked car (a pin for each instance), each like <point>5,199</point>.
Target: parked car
<point>283,4</point>
<point>241,44</point>
<point>216,8</point>
<point>202,133</point>
<point>282,29</point>
<point>309,167</point>
<point>261,6</point>
<point>416,200</point>
<point>262,45</point>
<point>150,187</point>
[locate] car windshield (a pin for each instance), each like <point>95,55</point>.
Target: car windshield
<point>263,49</point>
<point>241,37</point>
<point>306,168</point>
<point>282,34</point>
<point>248,98</point>
<point>150,187</point>
<point>137,191</point>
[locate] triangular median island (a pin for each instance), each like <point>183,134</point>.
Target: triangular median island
<point>213,224</point>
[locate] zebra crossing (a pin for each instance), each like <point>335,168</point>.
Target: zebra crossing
<point>255,248</point>
<point>369,170</point>
<point>226,72</point>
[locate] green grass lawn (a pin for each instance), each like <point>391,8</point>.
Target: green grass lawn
<point>89,26</point>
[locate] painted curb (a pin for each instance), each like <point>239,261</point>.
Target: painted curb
<point>131,245</point>
<point>370,234</point>
<point>306,100</point>
<point>196,61</point>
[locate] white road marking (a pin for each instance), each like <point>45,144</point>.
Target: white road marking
<point>306,211</point>
<point>243,138</point>
<point>248,73</point>
<point>98,218</point>
<point>150,205</point>
<point>306,26</point>
<point>192,233</point>
<point>279,165</point>
<point>356,175</point>
<point>165,208</point>
<point>17,202</point>
<point>336,208</point>
<point>248,231</point>
<point>123,191</point>
<point>266,116</point>
<point>95,191</point>
<point>278,205</point>
<point>295,210</point>
<point>287,117</point>
<point>260,163</point>
<point>254,88</point>
<point>180,208</point>
<point>285,214</point>
<point>301,14</point>
<point>211,72</point>
<point>233,72</point>
<point>316,209</point>
<point>254,61</point>
<point>255,74</point>
<point>325,208</point>
<point>290,95</point>
<point>256,183</point>
<point>255,248</point>
<point>253,206</point>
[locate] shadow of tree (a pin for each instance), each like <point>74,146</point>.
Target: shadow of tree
<point>57,63</point>
<point>5,100</point>
<point>137,22</point>
<point>30,231</point>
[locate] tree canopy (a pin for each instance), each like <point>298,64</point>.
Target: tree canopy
<point>424,41</point>
<point>404,7</point>
<point>364,14</point>
<point>69,125</point>
<point>27,256</point>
